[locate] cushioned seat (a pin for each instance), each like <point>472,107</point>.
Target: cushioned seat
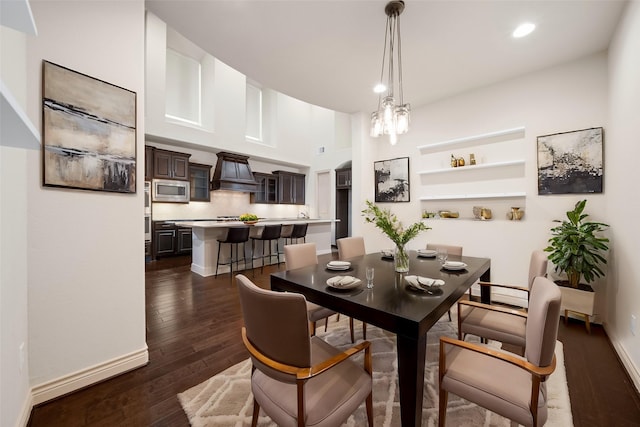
<point>496,322</point>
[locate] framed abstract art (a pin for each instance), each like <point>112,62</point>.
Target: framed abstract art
<point>570,162</point>
<point>88,132</point>
<point>392,180</point>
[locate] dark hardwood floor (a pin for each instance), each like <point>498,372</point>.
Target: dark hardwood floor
<point>193,332</point>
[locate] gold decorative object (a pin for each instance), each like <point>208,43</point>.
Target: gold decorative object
<point>461,161</point>
<point>448,214</point>
<point>454,161</point>
<point>485,213</point>
<point>516,214</point>
<point>472,159</point>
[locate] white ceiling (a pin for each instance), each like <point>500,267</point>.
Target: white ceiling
<point>329,52</point>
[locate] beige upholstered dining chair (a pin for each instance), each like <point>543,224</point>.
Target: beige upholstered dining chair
<point>503,382</point>
<point>298,379</point>
<point>500,323</point>
<point>304,255</point>
<point>351,247</point>
<point>451,250</point>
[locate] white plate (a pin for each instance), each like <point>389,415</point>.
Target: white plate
<point>338,267</point>
<point>387,253</point>
<point>333,282</point>
<point>454,265</point>
<point>339,264</point>
<point>426,253</point>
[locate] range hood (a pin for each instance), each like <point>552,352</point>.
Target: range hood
<point>233,173</point>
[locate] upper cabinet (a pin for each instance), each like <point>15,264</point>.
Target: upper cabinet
<point>267,188</point>
<point>148,163</point>
<point>170,165</point>
<point>199,177</point>
<point>291,187</point>
<point>343,178</point>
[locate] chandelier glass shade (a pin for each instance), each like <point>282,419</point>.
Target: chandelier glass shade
<point>392,116</point>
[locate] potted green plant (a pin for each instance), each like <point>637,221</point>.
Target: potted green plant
<point>388,223</point>
<point>574,247</point>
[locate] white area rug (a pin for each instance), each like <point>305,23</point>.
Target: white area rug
<point>225,400</point>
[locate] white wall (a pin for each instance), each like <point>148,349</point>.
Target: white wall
<point>568,97</point>
<point>15,401</point>
<point>292,132</point>
<point>85,249</point>
<point>14,372</point>
<point>622,177</point>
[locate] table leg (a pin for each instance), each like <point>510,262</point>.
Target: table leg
<point>485,291</point>
<point>411,359</point>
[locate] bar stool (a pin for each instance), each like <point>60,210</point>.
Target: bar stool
<point>235,236</point>
<point>269,233</point>
<point>299,232</point>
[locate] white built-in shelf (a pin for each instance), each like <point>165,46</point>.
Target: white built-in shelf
<point>474,196</point>
<point>474,167</point>
<point>17,14</point>
<point>17,130</point>
<point>467,141</point>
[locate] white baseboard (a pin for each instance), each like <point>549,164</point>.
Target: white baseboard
<point>627,362</point>
<point>75,381</point>
<point>26,411</point>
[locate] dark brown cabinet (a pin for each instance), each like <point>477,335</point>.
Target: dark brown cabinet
<point>169,240</point>
<point>183,240</point>
<point>343,178</point>
<point>267,188</point>
<point>170,165</point>
<point>148,163</point>
<point>199,177</point>
<point>290,187</point>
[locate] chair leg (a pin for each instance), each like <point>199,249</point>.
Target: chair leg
<point>218,260</point>
<point>442,413</point>
<point>449,315</point>
<point>256,412</point>
<point>313,328</point>
<point>364,330</point>
<point>351,329</point>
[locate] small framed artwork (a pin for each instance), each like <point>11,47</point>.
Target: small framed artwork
<point>88,132</point>
<point>392,180</point>
<point>570,162</point>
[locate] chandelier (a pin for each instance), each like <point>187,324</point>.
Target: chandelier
<point>392,116</point>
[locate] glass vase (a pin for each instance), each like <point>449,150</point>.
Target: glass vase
<point>401,259</point>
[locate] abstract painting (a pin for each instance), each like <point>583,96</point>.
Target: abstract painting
<point>570,162</point>
<point>89,132</point>
<point>392,180</point>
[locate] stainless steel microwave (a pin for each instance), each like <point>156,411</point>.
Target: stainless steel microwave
<point>169,190</point>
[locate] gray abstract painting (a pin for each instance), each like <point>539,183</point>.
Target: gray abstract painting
<point>570,162</point>
<point>89,132</point>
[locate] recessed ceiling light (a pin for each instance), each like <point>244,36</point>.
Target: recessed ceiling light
<point>523,30</point>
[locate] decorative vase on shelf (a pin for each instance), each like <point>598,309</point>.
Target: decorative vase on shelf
<point>401,259</point>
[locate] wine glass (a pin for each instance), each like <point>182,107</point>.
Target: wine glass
<point>442,255</point>
<point>370,272</point>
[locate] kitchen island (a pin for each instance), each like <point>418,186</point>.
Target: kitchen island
<point>205,235</point>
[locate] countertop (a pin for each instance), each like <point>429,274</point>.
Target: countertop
<point>267,221</point>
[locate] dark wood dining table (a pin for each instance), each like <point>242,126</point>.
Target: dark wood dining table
<point>391,305</point>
